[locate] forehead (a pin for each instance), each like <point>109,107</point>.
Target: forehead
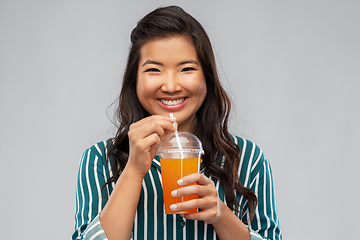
<point>175,48</point>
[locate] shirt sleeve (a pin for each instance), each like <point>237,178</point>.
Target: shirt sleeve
<point>92,175</point>
<point>265,224</point>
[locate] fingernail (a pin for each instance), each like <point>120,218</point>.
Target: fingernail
<point>173,207</point>
<point>180,181</point>
<point>172,117</point>
<point>173,193</point>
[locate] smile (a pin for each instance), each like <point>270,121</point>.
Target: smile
<point>172,102</point>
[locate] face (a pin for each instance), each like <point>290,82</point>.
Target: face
<point>170,79</point>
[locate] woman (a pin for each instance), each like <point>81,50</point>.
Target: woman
<point>171,69</point>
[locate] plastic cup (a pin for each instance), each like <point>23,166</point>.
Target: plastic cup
<point>176,162</point>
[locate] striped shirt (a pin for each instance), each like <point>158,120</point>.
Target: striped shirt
<point>151,222</point>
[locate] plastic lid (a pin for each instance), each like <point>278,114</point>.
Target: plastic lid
<point>189,143</point>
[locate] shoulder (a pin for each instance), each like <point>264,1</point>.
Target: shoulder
<point>97,151</point>
<point>100,148</point>
<point>247,147</point>
<point>252,158</point>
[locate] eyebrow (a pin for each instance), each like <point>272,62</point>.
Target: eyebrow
<point>160,64</point>
<point>189,61</point>
<point>152,62</point>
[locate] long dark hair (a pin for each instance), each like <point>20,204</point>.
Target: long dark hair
<point>212,117</point>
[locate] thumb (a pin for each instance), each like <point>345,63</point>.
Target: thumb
<point>153,149</point>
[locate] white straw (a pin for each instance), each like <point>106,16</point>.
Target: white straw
<point>178,139</point>
<point>181,152</point>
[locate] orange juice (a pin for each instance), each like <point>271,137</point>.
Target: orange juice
<point>172,170</point>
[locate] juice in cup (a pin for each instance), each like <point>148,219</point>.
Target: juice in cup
<point>179,154</point>
<point>172,170</point>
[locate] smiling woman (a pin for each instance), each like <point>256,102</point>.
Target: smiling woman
<point>171,80</point>
<point>171,69</point>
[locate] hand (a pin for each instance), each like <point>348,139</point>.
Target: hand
<point>144,139</point>
<point>208,201</point>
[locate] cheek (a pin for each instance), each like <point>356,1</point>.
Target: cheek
<point>144,87</point>
<point>141,92</point>
<point>199,87</point>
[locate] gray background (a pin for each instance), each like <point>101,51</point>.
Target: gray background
<point>291,67</point>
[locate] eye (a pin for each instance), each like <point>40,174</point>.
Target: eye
<point>152,70</point>
<point>188,69</point>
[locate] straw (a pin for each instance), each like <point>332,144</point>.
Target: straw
<point>181,152</point>
<point>178,139</point>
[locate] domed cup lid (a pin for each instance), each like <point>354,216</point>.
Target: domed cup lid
<point>189,144</point>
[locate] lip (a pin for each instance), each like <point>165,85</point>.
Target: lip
<point>172,107</point>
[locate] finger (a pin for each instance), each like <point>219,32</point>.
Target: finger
<point>201,215</point>
<point>209,209</point>
<point>202,203</point>
<point>164,120</point>
<point>139,126</point>
<point>198,178</point>
<point>160,127</point>
<point>143,145</point>
<point>151,119</point>
<point>200,190</point>
<point>150,125</point>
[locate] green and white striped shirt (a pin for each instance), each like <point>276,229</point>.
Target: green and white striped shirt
<point>151,222</point>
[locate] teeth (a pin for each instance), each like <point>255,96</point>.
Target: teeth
<point>172,102</point>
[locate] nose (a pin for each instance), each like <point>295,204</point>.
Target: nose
<point>171,84</point>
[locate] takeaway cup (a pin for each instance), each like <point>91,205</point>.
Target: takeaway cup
<point>180,154</point>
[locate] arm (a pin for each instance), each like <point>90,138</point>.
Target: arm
<point>265,222</point>
<point>229,226</point>
<point>92,222</point>
<point>113,218</point>
<point>93,173</point>
<point>118,215</point>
